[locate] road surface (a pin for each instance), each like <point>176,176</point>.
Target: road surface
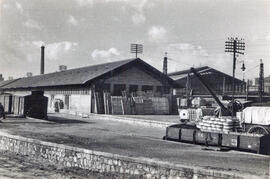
<point>135,141</point>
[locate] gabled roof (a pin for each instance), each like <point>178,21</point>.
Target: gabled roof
<point>6,82</point>
<point>202,70</point>
<point>78,76</point>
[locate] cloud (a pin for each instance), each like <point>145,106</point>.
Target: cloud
<point>137,6</point>
<point>117,0</point>
<point>72,21</point>
<point>105,54</point>
<point>187,48</point>
<point>85,2</point>
<point>19,7</point>
<point>267,37</point>
<point>38,43</point>
<point>55,50</point>
<point>5,6</point>
<point>30,23</point>
<point>185,55</point>
<point>157,34</point>
<point>140,6</point>
<point>138,18</point>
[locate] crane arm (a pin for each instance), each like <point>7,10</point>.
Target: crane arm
<point>208,89</point>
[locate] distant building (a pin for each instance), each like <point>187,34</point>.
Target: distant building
<point>218,81</point>
<point>1,77</point>
<point>267,84</point>
<point>255,87</point>
<point>10,78</point>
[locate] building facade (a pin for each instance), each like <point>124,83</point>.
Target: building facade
<point>219,82</point>
<point>76,90</point>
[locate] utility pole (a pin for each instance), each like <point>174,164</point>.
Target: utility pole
<point>235,46</point>
<point>261,81</point>
<point>247,89</point>
<point>136,48</point>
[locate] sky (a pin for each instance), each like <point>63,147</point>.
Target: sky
<point>79,33</point>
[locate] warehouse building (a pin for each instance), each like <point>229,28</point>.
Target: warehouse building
<point>219,82</point>
<point>84,90</point>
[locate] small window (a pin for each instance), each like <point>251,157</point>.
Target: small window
<point>133,88</point>
<point>159,89</point>
<point>106,87</point>
<point>118,88</point>
<point>147,88</point>
<point>166,90</point>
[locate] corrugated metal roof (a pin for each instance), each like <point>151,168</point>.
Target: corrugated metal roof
<point>183,72</point>
<point>68,77</point>
<point>205,70</point>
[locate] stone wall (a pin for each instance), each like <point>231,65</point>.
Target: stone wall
<point>102,162</point>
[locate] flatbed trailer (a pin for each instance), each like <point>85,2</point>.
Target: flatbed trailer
<point>252,136</point>
<point>256,143</point>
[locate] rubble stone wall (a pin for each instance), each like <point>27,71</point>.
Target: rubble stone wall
<point>102,162</point>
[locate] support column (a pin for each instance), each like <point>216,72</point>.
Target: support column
<point>111,88</point>
<point>139,87</point>
<point>127,88</point>
<point>91,100</point>
<point>154,89</point>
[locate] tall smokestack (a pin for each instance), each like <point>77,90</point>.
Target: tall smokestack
<point>165,64</point>
<point>42,60</point>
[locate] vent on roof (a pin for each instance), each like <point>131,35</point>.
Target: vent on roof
<point>62,67</point>
<point>29,74</point>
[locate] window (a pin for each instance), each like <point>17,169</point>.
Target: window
<point>106,87</point>
<point>147,88</point>
<point>118,88</point>
<point>159,89</point>
<point>166,90</point>
<point>133,88</point>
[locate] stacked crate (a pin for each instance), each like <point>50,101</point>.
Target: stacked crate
<point>126,105</point>
<point>147,106</point>
<point>160,105</point>
<point>116,102</point>
<point>138,105</point>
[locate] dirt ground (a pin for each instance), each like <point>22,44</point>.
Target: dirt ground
<point>134,141</point>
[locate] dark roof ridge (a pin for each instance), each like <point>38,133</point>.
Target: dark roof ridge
<point>187,70</point>
<point>83,67</point>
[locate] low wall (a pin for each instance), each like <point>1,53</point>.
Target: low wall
<point>102,162</point>
<point>136,121</point>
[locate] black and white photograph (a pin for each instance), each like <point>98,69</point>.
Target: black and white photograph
<point>134,89</point>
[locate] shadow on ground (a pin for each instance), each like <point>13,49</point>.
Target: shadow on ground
<point>62,120</point>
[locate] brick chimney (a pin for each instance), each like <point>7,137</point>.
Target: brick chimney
<point>165,64</point>
<point>42,60</point>
<point>1,77</point>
